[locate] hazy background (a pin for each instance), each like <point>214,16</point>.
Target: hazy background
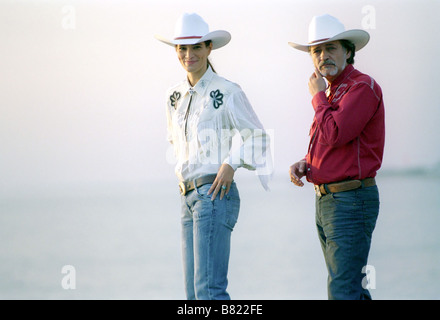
<point>82,99</point>
<point>87,104</point>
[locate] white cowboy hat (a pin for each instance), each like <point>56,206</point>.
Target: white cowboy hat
<point>326,28</point>
<point>191,29</point>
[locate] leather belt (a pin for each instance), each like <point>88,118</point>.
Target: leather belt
<point>187,186</point>
<point>342,186</point>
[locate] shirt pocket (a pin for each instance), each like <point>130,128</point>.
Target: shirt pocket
<point>320,139</point>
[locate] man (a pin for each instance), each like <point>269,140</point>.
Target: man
<point>345,151</point>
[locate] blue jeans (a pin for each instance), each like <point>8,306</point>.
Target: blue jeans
<point>206,239</point>
<point>345,223</point>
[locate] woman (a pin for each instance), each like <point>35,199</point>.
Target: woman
<point>204,112</point>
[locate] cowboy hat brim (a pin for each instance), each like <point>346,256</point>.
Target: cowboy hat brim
<point>219,39</point>
<point>359,38</point>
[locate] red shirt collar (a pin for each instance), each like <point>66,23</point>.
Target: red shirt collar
<point>348,69</point>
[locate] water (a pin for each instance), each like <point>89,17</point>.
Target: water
<point>124,242</point>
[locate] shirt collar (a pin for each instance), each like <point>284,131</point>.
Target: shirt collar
<point>348,69</point>
<point>202,84</point>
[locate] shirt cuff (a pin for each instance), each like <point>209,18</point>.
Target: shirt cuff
<point>229,161</point>
<point>319,99</point>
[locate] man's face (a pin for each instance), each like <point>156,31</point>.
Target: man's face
<point>330,59</point>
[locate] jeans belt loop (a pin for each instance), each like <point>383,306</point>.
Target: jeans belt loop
<point>195,184</point>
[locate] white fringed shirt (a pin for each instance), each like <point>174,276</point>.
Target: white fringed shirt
<point>202,122</point>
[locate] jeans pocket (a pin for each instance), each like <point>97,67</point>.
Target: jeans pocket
<point>202,191</point>
<point>371,211</point>
<point>232,207</point>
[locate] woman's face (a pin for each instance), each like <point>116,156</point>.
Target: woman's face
<point>194,58</point>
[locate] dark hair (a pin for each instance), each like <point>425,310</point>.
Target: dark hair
<point>349,46</point>
<point>207,43</point>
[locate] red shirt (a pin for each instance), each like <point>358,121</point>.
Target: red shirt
<point>348,132</point>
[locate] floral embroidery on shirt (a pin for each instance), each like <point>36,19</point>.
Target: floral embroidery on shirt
<point>173,98</point>
<point>217,98</point>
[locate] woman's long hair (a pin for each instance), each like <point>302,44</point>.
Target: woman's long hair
<point>207,43</point>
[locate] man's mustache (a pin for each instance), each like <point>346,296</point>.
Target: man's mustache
<point>327,63</point>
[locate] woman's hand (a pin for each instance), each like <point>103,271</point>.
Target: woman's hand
<point>222,182</point>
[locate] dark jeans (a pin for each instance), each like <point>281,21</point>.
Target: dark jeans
<point>345,223</point>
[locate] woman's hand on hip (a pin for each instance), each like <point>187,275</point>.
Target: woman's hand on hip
<point>222,182</point>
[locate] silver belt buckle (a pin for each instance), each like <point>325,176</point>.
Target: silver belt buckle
<point>317,190</point>
<point>182,188</point>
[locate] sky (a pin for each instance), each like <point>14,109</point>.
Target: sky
<point>82,83</point>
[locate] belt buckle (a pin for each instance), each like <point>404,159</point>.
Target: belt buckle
<point>317,190</point>
<point>182,188</point>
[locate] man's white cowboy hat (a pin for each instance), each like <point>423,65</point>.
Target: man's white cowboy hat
<point>326,28</point>
<point>191,29</point>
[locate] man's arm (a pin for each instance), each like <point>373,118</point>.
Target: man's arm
<point>342,123</point>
